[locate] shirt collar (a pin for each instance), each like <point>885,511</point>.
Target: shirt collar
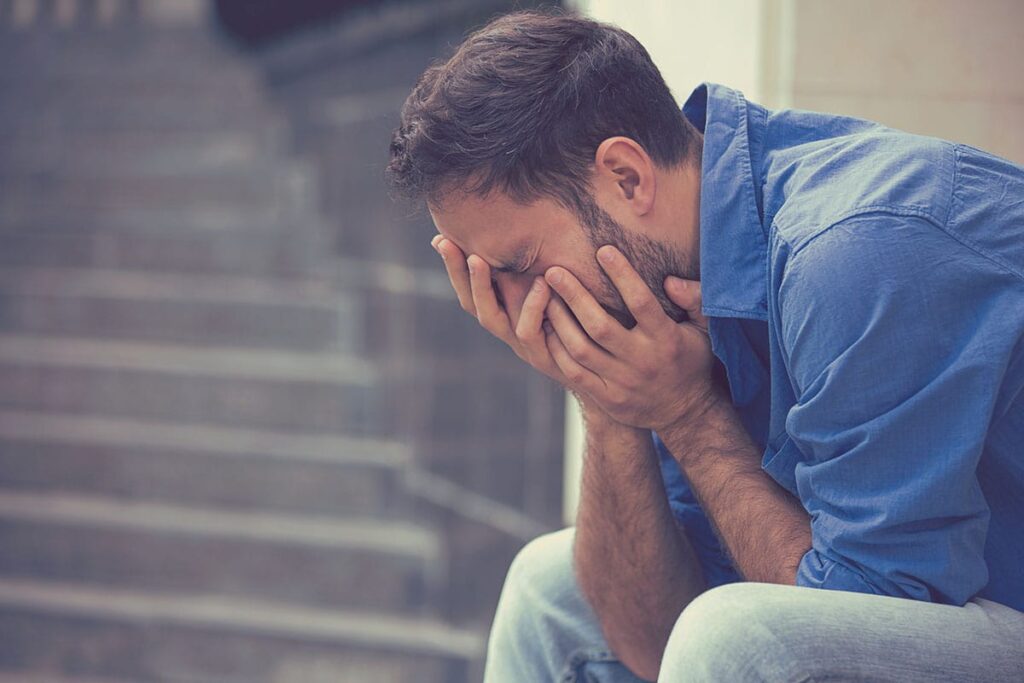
<point>733,243</point>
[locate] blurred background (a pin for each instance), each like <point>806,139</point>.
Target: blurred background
<point>246,434</point>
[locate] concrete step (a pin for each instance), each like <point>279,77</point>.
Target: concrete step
<point>186,464</point>
<point>289,248</point>
<point>258,188</point>
<point>38,677</point>
<point>226,386</point>
<point>205,221</point>
<point>386,566</point>
<point>142,150</point>
<point>157,114</point>
<point>120,46</point>
<point>106,68</point>
<point>125,48</point>
<point>107,163</point>
<point>191,309</point>
<point>150,636</point>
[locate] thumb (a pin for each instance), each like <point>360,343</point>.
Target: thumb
<point>686,295</point>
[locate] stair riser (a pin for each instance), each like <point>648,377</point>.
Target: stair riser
<point>277,404</point>
<point>189,251</point>
<point>129,53</point>
<point>165,193</point>
<point>219,480</point>
<point>145,651</point>
<point>151,114</point>
<point>107,146</point>
<point>255,325</point>
<point>109,83</point>
<point>137,559</point>
<point>125,156</point>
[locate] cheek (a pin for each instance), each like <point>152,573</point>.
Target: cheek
<point>613,303</point>
<point>608,294</point>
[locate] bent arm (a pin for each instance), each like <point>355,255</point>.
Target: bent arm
<point>635,566</point>
<point>765,529</point>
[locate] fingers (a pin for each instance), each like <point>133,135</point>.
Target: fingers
<point>599,325</point>
<point>578,377</point>
<point>489,312</point>
<point>639,298</point>
<point>458,272</point>
<point>686,295</point>
<point>580,347</point>
<point>531,316</point>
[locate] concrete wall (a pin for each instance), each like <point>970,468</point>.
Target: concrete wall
<point>935,67</point>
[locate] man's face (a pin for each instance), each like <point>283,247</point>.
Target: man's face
<point>520,242</point>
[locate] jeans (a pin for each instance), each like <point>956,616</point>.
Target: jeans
<point>544,631</point>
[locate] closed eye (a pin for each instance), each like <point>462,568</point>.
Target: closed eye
<point>512,270</point>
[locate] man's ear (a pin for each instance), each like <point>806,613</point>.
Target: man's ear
<point>625,173</point>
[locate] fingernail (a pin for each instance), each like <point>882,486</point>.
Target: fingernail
<point>554,276</point>
<point>606,254</point>
<point>472,270</point>
<point>538,284</point>
<point>435,240</point>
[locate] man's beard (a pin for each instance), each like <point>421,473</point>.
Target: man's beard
<point>651,259</point>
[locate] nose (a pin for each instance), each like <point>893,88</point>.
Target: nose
<point>513,288</point>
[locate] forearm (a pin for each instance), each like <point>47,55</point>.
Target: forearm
<point>635,566</point>
<point>764,528</point>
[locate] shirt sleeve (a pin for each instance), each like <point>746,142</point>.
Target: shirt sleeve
<point>889,329</point>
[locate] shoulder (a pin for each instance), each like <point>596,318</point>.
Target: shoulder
<point>878,171</point>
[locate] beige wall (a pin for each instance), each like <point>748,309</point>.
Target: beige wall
<point>948,68</point>
<point>676,35</point>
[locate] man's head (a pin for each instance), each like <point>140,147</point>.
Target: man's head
<point>545,136</point>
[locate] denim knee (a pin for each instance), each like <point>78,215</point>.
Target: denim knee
<point>539,584</point>
<point>734,633</point>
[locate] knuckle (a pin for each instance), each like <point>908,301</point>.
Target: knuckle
<point>631,383</point>
<point>645,306</point>
<point>579,351</point>
<point>601,331</point>
<point>614,400</point>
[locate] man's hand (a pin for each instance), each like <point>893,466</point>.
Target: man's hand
<point>653,375</point>
<point>477,297</point>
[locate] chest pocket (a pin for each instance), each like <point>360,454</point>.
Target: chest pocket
<point>780,463</point>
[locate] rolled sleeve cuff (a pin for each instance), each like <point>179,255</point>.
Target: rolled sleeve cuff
<point>818,571</point>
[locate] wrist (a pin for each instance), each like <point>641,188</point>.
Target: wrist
<point>692,411</point>
<point>599,424</point>
<point>690,428</point>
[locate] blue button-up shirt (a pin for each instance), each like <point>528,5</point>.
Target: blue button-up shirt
<point>865,294</point>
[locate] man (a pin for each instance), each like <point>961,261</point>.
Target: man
<point>798,344</point>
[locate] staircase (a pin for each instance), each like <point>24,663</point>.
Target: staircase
<point>196,477</point>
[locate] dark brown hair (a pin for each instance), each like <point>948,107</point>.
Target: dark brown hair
<point>522,107</point>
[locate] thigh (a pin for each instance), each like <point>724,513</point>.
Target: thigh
<point>753,632</point>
